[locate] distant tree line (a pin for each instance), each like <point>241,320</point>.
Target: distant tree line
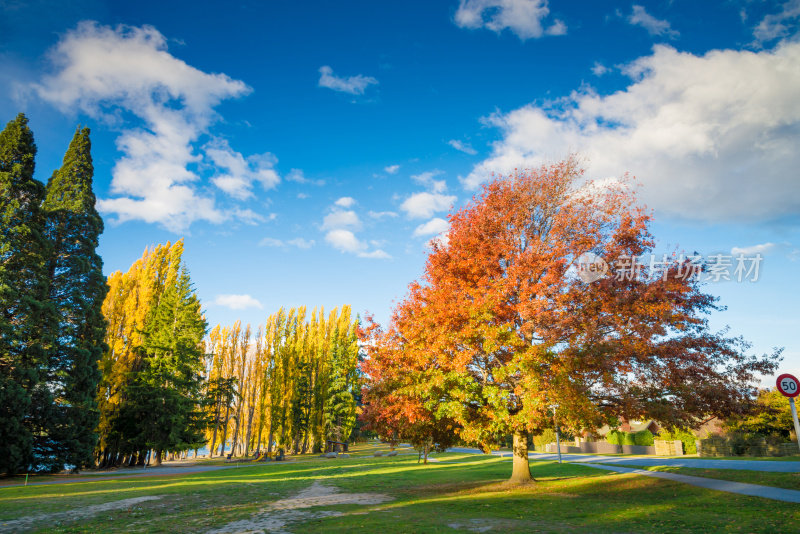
<point>118,371</point>
<point>294,386</point>
<point>51,292</point>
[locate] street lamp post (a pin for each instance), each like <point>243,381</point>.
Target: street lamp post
<point>558,438</point>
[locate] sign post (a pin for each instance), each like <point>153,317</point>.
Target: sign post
<point>789,386</point>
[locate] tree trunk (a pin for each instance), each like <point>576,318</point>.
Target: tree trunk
<point>270,438</point>
<point>235,436</point>
<point>521,472</point>
<point>248,434</point>
<point>158,458</point>
<point>214,434</point>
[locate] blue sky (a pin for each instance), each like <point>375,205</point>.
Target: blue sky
<point>308,151</point>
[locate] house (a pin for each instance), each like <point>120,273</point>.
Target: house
<point>631,426</point>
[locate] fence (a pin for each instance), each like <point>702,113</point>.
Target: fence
<point>600,447</point>
<point>719,446</point>
<point>669,447</point>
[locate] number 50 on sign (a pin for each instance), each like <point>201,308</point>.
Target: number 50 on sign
<point>789,386</point>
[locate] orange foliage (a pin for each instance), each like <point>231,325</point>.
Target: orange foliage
<point>500,328</point>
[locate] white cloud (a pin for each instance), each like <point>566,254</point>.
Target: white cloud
<point>355,85</point>
<point>271,242</point>
<point>375,255</point>
<point>598,69</point>
<point>710,137</point>
<point>381,214</point>
<point>115,73</point>
<point>341,226</point>
<point>302,196</point>
<point>344,240</point>
<point>427,179</point>
<point>778,25</point>
<point>242,172</point>
<point>391,169</point>
<point>237,302</point>
<point>250,217</point>
<point>433,227</point>
<point>299,242</point>
<point>424,205</point>
<point>523,17</point>
<point>341,219</point>
<point>345,202</point>
<point>654,26</point>
<point>752,250</point>
<point>297,176</point>
<point>462,147</point>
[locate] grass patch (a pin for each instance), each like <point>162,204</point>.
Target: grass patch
<point>776,480</point>
<point>467,492</point>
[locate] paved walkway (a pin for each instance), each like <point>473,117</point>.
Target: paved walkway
<point>643,461</point>
<point>753,490</point>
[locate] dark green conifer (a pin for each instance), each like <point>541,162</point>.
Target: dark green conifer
<point>77,288</point>
<point>167,395</point>
<point>25,400</point>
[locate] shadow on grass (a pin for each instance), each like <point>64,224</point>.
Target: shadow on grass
<point>468,495</point>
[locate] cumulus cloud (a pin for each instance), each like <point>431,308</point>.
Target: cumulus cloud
<point>752,250</point>
<point>242,172</point>
<point>354,85</point>
<point>341,225</point>
<point>122,72</point>
<point>525,18</point>
<point>237,302</point>
<point>341,219</point>
<point>391,169</point>
<point>424,205</point>
<point>778,25</point>
<point>433,227</point>
<point>598,69</point>
<point>346,202</point>
<point>640,17</point>
<point>710,137</point>
<point>426,179</point>
<point>346,241</point>
<point>462,147</point>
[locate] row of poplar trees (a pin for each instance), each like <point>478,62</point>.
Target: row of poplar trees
<point>294,386</point>
<point>51,291</point>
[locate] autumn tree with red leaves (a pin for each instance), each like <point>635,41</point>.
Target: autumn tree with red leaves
<point>394,407</point>
<point>500,329</point>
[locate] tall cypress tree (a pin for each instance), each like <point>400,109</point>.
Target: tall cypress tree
<point>24,397</point>
<point>77,288</point>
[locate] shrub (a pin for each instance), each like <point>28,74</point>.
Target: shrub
<point>643,437</point>
<point>628,438</point>
<point>547,436</point>
<point>615,437</point>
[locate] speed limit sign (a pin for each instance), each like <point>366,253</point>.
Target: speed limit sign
<point>788,385</point>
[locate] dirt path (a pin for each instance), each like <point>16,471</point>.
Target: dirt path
<point>279,515</point>
<point>35,521</point>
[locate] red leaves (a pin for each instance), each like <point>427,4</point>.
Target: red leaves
<point>502,328</point>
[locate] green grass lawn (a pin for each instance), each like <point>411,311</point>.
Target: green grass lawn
<point>460,493</point>
<point>777,480</point>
